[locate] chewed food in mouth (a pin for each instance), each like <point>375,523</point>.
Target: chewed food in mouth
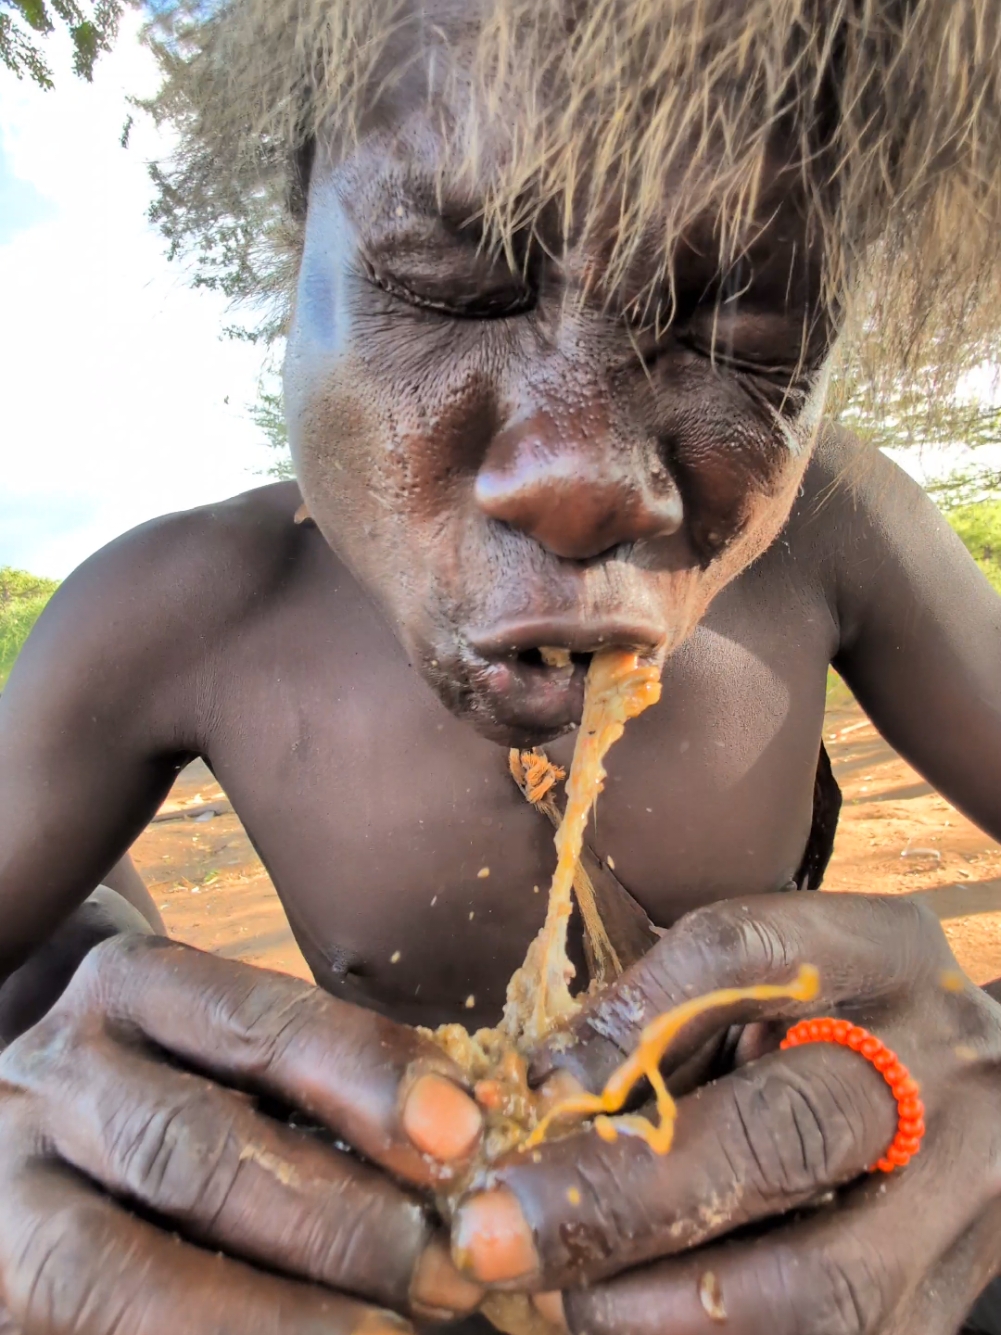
<point>619,687</point>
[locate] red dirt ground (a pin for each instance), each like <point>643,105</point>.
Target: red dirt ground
<point>897,836</point>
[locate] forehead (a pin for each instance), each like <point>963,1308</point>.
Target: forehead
<point>443,153</point>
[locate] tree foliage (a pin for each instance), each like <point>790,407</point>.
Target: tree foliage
<point>268,414</point>
<point>22,597</point>
<point>24,24</point>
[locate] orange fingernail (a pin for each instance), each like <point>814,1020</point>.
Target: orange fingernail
<point>551,1307</point>
<point>440,1119</point>
<point>491,1238</point>
<point>440,1287</point>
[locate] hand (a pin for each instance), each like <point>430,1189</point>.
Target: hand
<point>138,1178</point>
<point>899,1254</point>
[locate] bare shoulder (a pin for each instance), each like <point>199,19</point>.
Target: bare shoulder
<point>205,565</point>
<point>851,493</point>
<point>136,621</point>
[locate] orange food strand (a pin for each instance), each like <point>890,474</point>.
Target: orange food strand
<point>904,1088</point>
<point>618,688</point>
<point>644,1063</point>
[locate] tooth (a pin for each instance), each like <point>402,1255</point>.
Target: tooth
<point>554,657</point>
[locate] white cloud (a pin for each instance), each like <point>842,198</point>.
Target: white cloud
<point>113,378</point>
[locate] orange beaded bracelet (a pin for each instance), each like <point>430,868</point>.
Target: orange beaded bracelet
<point>904,1088</point>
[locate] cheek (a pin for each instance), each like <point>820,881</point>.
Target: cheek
<point>737,467</point>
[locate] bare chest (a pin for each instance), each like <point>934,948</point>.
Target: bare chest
<point>413,871</point>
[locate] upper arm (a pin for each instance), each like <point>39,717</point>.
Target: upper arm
<point>920,638</point>
<point>94,725</point>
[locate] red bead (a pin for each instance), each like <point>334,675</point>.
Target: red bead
<point>905,1089</point>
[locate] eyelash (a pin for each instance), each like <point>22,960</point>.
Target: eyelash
<point>400,292</point>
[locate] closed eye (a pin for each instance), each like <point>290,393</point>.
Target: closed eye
<point>483,295</point>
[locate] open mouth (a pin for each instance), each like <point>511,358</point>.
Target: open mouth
<point>529,677</point>
<point>554,656</point>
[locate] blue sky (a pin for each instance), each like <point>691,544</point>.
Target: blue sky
<point>118,398</point>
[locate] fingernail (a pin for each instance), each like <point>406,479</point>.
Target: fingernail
<point>491,1238</point>
<point>440,1119</point>
<point>439,1289</point>
<point>551,1307</point>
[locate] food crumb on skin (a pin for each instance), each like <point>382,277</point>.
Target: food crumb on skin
<point>395,957</point>
<point>711,1297</point>
<point>483,873</point>
<point>573,1196</point>
<point>470,1002</point>
<point>611,863</point>
<point>952,980</point>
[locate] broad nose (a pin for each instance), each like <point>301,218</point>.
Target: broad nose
<point>579,493</point>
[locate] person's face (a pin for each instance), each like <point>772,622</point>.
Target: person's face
<point>508,468</point>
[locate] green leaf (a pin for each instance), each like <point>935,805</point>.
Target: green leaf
<point>35,14</point>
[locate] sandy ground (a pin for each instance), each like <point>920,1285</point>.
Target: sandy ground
<point>896,836</point>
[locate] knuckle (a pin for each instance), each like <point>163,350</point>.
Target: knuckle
<point>104,970</point>
<point>793,1133</point>
<point>261,1018</point>
<point>730,931</point>
<point>49,1282</point>
<point>42,1051</point>
<point>180,1155</point>
<point>844,1292</point>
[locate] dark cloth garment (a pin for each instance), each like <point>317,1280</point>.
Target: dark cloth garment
<point>824,826</point>
<point>985,1319</point>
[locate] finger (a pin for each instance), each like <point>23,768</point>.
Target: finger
<point>385,1089</point>
<point>848,1270</point>
<point>872,947</point>
<point>761,1141</point>
<point>201,1156</point>
<point>73,1263</point>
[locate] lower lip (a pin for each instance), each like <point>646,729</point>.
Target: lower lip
<point>531,699</point>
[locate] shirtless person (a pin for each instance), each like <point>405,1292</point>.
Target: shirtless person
<point>500,454</point>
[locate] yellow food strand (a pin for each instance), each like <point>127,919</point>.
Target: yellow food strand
<point>618,688</point>
<point>644,1063</point>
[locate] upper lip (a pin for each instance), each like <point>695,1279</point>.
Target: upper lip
<point>509,638</point>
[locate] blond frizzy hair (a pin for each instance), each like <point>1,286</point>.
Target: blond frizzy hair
<point>891,110</point>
